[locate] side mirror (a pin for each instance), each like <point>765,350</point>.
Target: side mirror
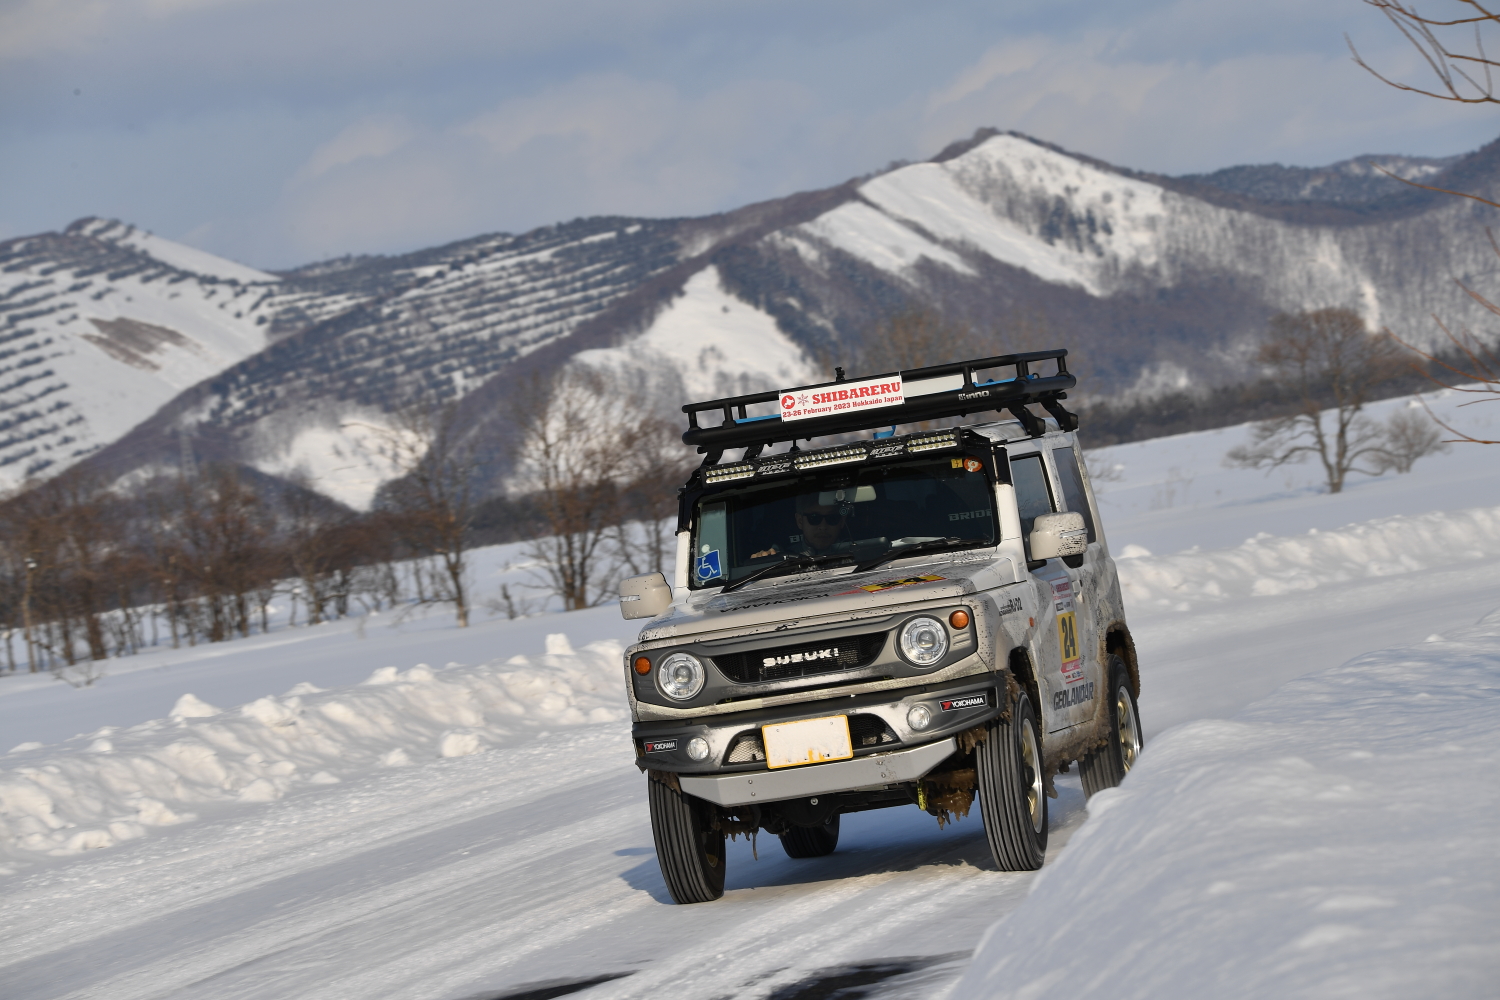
<point>1055,535</point>
<point>646,596</point>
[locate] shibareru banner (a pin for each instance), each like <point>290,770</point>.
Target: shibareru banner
<point>845,397</point>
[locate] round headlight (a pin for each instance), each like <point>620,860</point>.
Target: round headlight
<point>924,641</point>
<point>680,676</point>
<point>919,718</point>
<point>698,748</point>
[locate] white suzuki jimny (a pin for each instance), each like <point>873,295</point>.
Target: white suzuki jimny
<point>903,619</point>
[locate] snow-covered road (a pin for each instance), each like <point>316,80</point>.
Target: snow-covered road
<point>470,876</point>
<point>532,863</point>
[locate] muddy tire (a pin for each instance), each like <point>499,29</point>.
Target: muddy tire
<point>1012,795</point>
<point>1107,766</point>
<point>689,850</point>
<point>811,841</point>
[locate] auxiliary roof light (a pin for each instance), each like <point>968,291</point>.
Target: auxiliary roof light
<point>932,442</point>
<point>830,456</point>
<point>729,473</point>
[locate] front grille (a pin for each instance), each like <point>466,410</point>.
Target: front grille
<point>869,731</point>
<point>779,662</point>
<point>746,747</point>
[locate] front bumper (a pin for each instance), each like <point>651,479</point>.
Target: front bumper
<point>874,771</point>
<point>954,706</point>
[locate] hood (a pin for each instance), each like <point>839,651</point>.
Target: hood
<point>766,605</point>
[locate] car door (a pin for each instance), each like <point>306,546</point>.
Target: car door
<point>1087,573</point>
<point>1063,635</point>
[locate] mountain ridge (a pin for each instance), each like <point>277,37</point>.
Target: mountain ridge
<point>1150,280</point>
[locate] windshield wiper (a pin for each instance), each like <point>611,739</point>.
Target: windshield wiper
<point>789,562</point>
<point>931,545</point>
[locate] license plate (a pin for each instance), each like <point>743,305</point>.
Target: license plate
<point>810,741</point>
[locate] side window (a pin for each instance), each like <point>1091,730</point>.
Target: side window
<point>1072,486</point>
<point>1033,495</point>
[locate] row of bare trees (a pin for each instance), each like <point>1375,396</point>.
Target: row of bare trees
<point>88,571</point>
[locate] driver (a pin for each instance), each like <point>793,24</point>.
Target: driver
<point>821,527</point>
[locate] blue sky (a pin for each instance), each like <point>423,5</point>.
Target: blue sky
<point>277,132</point>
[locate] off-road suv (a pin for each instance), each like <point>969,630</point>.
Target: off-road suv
<point>903,619</point>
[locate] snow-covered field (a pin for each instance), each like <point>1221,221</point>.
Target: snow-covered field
<point>476,826</point>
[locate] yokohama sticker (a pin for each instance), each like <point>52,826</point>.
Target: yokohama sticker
<point>970,701</point>
<point>658,746</point>
<point>845,397</point>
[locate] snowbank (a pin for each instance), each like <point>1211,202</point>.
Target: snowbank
<point>1265,566</point>
<point>1335,839</point>
<point>113,785</point>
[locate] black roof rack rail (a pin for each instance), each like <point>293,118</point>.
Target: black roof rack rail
<point>1014,394</point>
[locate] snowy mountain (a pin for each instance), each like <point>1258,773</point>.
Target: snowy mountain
<point>1149,280</point>
<point>103,324</point>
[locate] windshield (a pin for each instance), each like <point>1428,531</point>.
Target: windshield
<point>861,513</point>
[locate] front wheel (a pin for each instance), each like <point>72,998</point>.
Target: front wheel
<point>688,848</point>
<point>1012,795</point>
<point>1107,766</point>
<point>812,841</point>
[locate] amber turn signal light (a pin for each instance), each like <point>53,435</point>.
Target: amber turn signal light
<point>642,665</point>
<point>959,619</point>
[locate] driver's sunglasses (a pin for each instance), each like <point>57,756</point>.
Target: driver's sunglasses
<point>815,519</point>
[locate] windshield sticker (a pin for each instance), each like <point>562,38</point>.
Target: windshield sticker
<point>905,581</point>
<point>967,464</point>
<point>708,566</point>
<point>842,398</point>
<point>966,515</point>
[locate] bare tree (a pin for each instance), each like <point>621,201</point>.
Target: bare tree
<point>1464,71</point>
<point>1409,435</point>
<point>1333,364</point>
<point>434,501</point>
<point>576,455</point>
<point>1465,74</point>
<point>1475,371</point>
<point>225,535</point>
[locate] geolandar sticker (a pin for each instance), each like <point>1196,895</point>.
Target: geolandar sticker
<point>1067,632</point>
<point>905,581</point>
<point>657,746</point>
<point>708,566</point>
<point>1068,697</point>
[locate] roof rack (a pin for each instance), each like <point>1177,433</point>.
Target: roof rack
<point>927,393</point>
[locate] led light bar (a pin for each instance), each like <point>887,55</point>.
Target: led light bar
<point>829,456</point>
<point>726,473</point>
<point>932,442</point>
